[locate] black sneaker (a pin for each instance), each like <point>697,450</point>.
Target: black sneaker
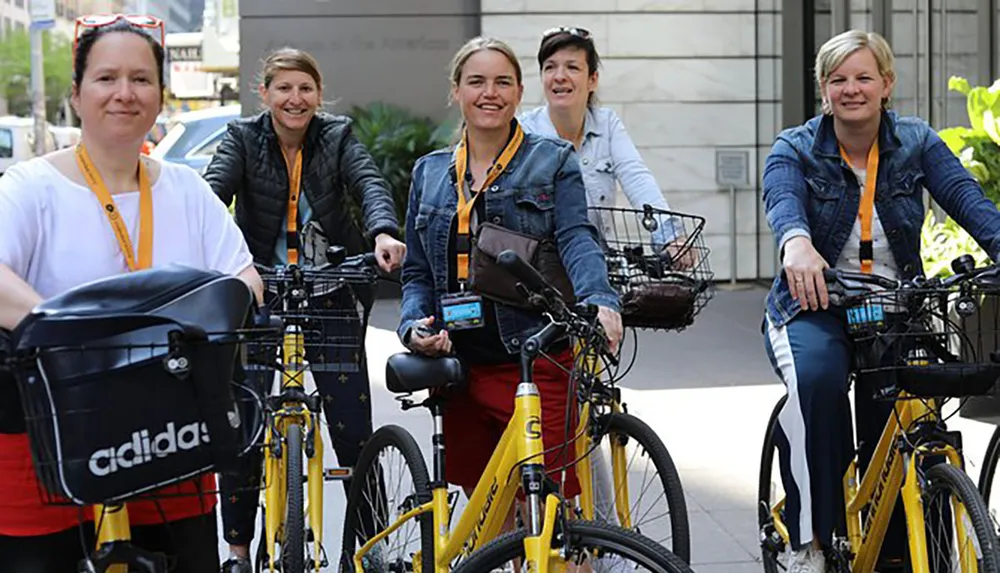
<point>237,565</point>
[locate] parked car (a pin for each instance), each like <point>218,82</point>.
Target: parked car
<point>66,136</point>
<point>193,137</point>
<point>17,140</point>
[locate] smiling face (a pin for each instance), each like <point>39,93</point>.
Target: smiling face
<point>119,94</point>
<point>856,89</point>
<point>566,80</point>
<point>293,97</point>
<point>488,90</point>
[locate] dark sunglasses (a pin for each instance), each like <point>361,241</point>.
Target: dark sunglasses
<point>578,32</point>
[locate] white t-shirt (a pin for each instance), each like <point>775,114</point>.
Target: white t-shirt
<point>884,263</point>
<point>55,236</point>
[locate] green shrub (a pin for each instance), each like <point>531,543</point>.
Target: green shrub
<point>978,147</point>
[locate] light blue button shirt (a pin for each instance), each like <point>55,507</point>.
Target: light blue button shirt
<point>608,158</point>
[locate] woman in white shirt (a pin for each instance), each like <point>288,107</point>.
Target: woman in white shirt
<point>61,226</point>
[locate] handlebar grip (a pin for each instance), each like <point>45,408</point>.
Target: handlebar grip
<point>830,275</point>
<point>522,271</point>
<point>369,260</point>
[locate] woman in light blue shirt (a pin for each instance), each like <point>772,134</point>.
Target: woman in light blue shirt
<point>568,60</point>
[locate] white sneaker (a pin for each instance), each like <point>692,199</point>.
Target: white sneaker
<point>807,560</point>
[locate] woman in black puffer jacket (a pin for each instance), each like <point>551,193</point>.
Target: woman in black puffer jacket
<point>291,160</point>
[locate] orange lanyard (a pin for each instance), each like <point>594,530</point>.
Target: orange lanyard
<point>464,206</point>
<point>866,210</point>
<point>294,178</point>
<point>96,185</point>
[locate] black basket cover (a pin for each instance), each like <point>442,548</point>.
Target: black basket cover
<point>126,381</point>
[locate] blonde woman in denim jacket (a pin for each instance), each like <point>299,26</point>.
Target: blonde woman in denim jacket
<point>813,180</point>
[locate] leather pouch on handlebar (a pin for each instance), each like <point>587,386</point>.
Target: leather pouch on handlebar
<point>659,305</point>
<point>492,281</point>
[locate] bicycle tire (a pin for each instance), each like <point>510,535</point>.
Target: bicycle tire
<point>990,460</point>
<point>769,557</point>
<point>383,438</point>
<point>632,427</point>
<point>962,487</point>
<point>293,545</point>
<point>584,535</point>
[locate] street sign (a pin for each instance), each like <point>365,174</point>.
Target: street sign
<point>732,167</point>
<point>43,14</point>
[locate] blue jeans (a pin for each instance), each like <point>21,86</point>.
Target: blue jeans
<point>813,356</point>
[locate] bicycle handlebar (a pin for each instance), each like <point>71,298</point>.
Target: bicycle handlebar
<point>547,299</point>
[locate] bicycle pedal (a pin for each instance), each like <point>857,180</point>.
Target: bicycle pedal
<point>336,474</point>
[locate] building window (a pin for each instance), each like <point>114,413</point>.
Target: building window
<point>19,26</point>
<point>19,3</point>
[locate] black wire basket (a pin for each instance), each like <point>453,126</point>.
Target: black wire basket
<point>928,342</point>
<point>128,384</point>
<point>326,308</point>
<point>659,264</point>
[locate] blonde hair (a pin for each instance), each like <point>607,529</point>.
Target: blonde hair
<point>290,59</point>
<point>479,44</point>
<point>838,48</point>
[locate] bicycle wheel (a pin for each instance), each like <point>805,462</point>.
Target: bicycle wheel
<point>389,480</point>
<point>945,489</point>
<point>986,477</point>
<point>293,544</point>
<point>656,505</point>
<point>606,548</point>
<point>770,492</point>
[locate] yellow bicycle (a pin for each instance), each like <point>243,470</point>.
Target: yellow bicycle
<point>391,492</point>
<point>293,501</point>
<point>909,345</point>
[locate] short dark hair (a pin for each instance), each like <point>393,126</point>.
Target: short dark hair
<point>90,37</point>
<point>552,43</point>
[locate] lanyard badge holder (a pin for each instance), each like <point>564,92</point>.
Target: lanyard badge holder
<point>464,310</point>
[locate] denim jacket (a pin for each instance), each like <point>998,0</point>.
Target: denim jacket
<point>809,190</point>
<point>541,193</point>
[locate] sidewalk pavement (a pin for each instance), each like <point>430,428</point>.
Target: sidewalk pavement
<point>707,392</point>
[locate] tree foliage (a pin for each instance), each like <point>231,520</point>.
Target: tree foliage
<point>15,71</point>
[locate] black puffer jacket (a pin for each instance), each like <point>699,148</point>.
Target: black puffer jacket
<point>249,165</point>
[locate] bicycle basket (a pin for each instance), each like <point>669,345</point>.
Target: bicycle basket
<point>126,382</point>
<point>659,264</point>
<point>326,309</point>
<point>926,342</point>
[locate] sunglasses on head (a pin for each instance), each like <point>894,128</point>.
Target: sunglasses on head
<point>578,32</point>
<point>101,20</point>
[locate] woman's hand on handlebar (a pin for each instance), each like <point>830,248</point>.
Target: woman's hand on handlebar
<point>804,272</point>
<point>611,321</point>
<point>389,252</point>
<point>422,342</point>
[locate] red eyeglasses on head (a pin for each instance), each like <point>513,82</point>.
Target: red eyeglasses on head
<point>101,20</point>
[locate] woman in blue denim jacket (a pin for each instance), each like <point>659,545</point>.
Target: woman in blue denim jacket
<point>524,183</point>
<point>813,183</point>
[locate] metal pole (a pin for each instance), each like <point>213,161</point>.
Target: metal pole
<point>732,235</point>
<point>38,90</point>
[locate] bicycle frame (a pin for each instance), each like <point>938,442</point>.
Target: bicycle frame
<point>289,404</point>
<point>584,469</point>
<point>293,409</point>
<point>892,472</point>
<point>493,498</point>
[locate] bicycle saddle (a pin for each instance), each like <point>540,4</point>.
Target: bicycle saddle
<point>408,372</point>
